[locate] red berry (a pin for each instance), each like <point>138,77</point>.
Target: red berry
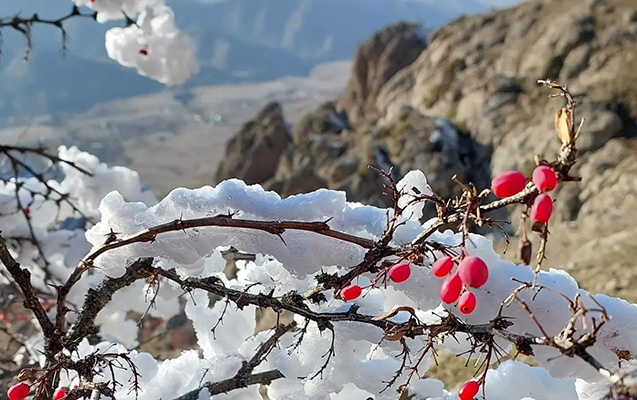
<point>508,183</point>
<point>442,266</point>
<point>18,391</point>
<point>469,390</point>
<point>450,289</point>
<point>542,208</point>
<point>143,52</point>
<point>467,303</point>
<point>399,272</point>
<point>60,394</point>
<point>473,272</point>
<point>351,292</point>
<point>544,178</point>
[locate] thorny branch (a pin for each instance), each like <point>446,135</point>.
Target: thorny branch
<point>23,25</point>
<point>43,152</point>
<point>468,209</point>
<point>49,192</point>
<point>245,376</point>
<point>98,298</point>
<point>22,277</point>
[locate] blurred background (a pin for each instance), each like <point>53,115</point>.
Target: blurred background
<point>251,52</point>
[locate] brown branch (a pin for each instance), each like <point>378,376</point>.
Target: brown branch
<point>227,385</point>
<point>42,152</point>
<point>272,227</point>
<point>292,301</point>
<point>244,377</point>
<point>23,278</point>
<point>97,299</point>
<point>63,197</point>
<point>483,333</point>
<point>23,25</point>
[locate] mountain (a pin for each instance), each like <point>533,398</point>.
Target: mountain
<point>465,102</point>
<point>238,41</point>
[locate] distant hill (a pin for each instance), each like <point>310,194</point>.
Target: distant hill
<point>238,41</point>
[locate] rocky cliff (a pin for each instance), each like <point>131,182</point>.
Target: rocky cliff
<point>465,101</point>
<point>253,153</point>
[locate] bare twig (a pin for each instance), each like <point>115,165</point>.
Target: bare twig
<point>23,25</point>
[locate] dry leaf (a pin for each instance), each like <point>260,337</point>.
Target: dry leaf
<point>623,354</point>
<point>563,125</point>
<point>394,312</point>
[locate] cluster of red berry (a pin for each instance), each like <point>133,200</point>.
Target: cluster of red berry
<point>399,272</point>
<point>21,390</point>
<point>471,272</point>
<point>512,182</point>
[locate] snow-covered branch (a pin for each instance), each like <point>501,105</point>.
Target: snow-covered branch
<point>363,297</point>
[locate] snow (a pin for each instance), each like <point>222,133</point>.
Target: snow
<point>290,266</point>
<point>413,184</point>
<point>117,9</point>
<point>153,45</point>
<point>363,361</point>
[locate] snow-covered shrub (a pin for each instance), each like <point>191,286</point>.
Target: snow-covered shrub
<point>140,255</point>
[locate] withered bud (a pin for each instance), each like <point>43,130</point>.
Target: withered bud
<point>563,126</point>
<point>538,227</point>
<point>26,374</point>
<point>415,258</point>
<point>524,252</point>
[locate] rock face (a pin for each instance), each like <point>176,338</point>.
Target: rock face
<point>480,72</point>
<point>376,61</point>
<point>253,154</point>
<point>466,103</point>
<point>340,160</point>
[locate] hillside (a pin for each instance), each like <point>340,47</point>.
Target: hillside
<point>465,102</point>
<point>175,139</point>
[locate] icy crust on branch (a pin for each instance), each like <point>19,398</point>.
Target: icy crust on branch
<point>301,252</point>
<point>359,368</point>
<point>155,47</point>
<point>413,185</point>
<point>54,222</point>
<point>305,253</point>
